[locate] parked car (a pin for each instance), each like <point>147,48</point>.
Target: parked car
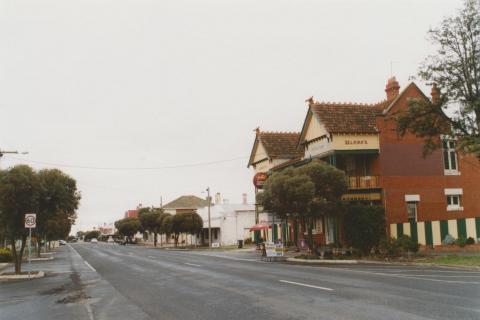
<point>62,242</point>
<point>94,240</point>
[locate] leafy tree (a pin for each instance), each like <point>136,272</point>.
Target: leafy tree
<point>455,73</point>
<point>364,227</point>
<point>166,225</point>
<point>89,235</point>
<point>80,234</point>
<point>128,227</point>
<point>18,195</point>
<point>305,194</point>
<point>151,221</point>
<point>186,222</point>
<point>58,201</point>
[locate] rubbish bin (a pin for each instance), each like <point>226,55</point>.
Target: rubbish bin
<point>240,244</point>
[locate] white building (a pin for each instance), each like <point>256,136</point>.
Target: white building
<point>229,222</point>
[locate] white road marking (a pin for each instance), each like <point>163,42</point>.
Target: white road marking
<point>88,264</point>
<point>192,264</point>
<point>306,285</point>
<point>393,275</point>
<point>151,257</point>
<point>78,254</point>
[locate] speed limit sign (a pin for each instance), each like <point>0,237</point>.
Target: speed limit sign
<point>30,220</point>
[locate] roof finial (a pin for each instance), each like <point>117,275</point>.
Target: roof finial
<point>309,100</point>
<point>257,130</point>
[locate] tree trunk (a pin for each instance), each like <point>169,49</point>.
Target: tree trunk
<point>18,255</point>
<point>39,247</point>
<point>155,239</point>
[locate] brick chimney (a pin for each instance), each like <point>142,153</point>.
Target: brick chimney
<point>435,93</point>
<point>392,89</point>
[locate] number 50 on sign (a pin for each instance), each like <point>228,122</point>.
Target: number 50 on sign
<point>30,220</point>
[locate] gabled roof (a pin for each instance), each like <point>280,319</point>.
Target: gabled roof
<point>390,105</point>
<point>280,145</point>
<point>186,202</point>
<point>347,118</point>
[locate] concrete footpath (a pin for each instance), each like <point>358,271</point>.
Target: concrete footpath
<point>71,289</point>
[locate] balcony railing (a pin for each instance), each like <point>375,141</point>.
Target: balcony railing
<point>363,182</point>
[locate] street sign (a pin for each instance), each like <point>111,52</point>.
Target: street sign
<point>30,220</point>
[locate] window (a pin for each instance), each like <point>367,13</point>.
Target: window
<point>450,157</point>
<point>412,211</point>
<point>454,199</point>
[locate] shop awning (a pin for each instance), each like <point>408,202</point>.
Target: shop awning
<point>260,226</point>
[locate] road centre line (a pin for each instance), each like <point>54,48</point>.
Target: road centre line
<point>192,264</point>
<point>151,257</point>
<point>306,285</point>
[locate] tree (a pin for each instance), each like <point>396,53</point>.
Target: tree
<point>186,222</point>
<point>151,221</point>
<point>89,235</point>
<point>455,73</point>
<point>166,225</point>
<point>330,184</point>
<point>128,227</point>
<point>80,234</point>
<point>58,201</point>
<point>305,194</point>
<point>18,196</point>
<point>364,227</point>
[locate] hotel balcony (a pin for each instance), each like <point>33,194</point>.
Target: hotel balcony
<point>363,182</point>
<point>363,188</point>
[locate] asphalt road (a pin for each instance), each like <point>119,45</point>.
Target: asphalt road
<point>207,285</point>
<point>117,282</point>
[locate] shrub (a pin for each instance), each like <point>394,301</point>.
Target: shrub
<point>461,242</point>
<point>448,240</point>
<point>407,244</point>
<point>364,227</point>
<point>390,247</point>
<point>470,240</point>
<point>248,241</point>
<point>5,255</point>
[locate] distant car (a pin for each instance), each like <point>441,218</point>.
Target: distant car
<point>62,242</point>
<point>94,240</point>
<point>110,240</point>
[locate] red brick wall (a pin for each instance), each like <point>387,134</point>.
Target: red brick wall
<point>404,170</point>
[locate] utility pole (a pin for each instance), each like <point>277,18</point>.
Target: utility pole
<point>209,225</point>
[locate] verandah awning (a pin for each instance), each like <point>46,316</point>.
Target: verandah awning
<point>260,226</point>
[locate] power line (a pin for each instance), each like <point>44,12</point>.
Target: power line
<point>198,164</point>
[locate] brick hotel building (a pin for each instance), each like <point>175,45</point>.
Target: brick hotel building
<point>425,197</point>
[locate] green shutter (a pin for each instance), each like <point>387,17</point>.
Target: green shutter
<point>462,228</point>
<point>443,229</point>
<point>477,226</point>
<point>428,233</point>
<point>275,232</point>
<point>399,230</point>
<point>413,231</point>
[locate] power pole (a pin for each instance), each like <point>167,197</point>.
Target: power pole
<point>209,225</point>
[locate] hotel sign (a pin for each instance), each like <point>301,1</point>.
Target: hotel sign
<point>356,142</point>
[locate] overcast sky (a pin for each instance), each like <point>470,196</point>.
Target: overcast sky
<point>135,84</point>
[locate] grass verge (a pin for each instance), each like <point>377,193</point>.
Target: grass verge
<point>470,261</point>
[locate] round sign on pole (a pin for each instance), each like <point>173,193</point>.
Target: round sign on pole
<point>259,179</point>
<point>30,220</point>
